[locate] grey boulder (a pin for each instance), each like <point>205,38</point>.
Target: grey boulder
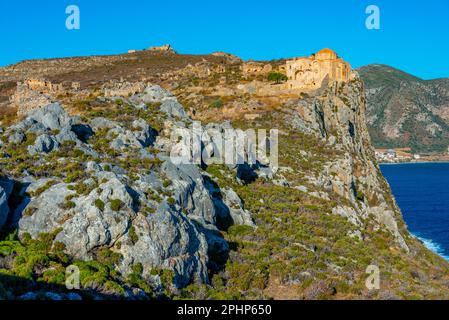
<point>190,191</point>
<point>43,144</point>
<point>167,240</point>
<point>16,138</point>
<point>85,226</point>
<point>156,93</point>
<point>102,123</point>
<point>234,203</point>
<point>51,116</point>
<point>45,213</point>
<point>173,109</point>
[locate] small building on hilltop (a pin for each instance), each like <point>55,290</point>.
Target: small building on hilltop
<point>166,48</point>
<point>303,74</point>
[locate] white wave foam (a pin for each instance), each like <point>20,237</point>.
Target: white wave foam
<point>435,247</point>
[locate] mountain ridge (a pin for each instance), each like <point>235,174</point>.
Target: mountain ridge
<point>406,111</point>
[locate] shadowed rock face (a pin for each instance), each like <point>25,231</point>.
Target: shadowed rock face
<point>6,188</point>
<point>4,209</point>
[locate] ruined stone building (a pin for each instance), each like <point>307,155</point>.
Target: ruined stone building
<point>43,86</point>
<point>256,68</point>
<point>122,88</point>
<point>26,99</point>
<point>309,72</point>
<point>47,87</point>
<point>201,69</point>
<point>164,48</point>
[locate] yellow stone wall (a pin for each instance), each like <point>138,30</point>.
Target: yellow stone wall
<point>309,73</point>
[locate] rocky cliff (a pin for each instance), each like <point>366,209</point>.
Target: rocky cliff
<point>91,184</point>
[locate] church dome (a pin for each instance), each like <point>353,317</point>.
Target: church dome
<point>326,54</point>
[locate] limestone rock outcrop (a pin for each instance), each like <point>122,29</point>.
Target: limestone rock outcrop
<point>167,239</point>
<point>339,113</point>
<point>182,229</point>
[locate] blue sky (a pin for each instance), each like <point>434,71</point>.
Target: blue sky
<point>413,35</point>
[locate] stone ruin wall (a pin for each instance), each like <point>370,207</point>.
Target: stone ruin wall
<point>48,87</point>
<point>201,69</point>
<point>26,99</point>
<point>256,68</point>
<point>303,74</point>
<point>164,48</point>
<point>35,93</point>
<point>122,88</point>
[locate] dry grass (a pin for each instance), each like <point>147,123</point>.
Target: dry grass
<point>8,115</point>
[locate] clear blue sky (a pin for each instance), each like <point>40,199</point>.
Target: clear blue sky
<point>414,35</point>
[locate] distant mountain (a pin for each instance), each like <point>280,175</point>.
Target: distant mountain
<point>406,111</point>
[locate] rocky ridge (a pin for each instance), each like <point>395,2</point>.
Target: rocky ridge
<point>405,111</point>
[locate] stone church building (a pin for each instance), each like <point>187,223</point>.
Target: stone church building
<point>310,72</point>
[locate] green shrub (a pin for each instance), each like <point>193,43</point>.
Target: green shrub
<point>116,204</point>
<point>29,211</point>
<point>167,183</point>
<point>277,77</point>
<point>217,103</point>
<point>68,204</point>
<point>83,188</point>
<point>114,288</point>
<point>133,237</point>
<point>108,257</point>
<point>99,204</point>
<point>240,230</point>
<point>44,188</point>
<point>167,277</point>
<point>137,268</point>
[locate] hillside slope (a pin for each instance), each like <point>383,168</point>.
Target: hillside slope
<point>405,111</point>
<point>87,181</point>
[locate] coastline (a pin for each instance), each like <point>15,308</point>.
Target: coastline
<point>414,162</point>
<point>428,242</point>
<point>432,246</point>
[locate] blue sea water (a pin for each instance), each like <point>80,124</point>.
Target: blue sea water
<point>422,192</point>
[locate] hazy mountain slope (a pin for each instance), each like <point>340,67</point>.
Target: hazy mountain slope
<point>404,110</point>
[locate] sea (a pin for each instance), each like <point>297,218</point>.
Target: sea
<point>422,192</point>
